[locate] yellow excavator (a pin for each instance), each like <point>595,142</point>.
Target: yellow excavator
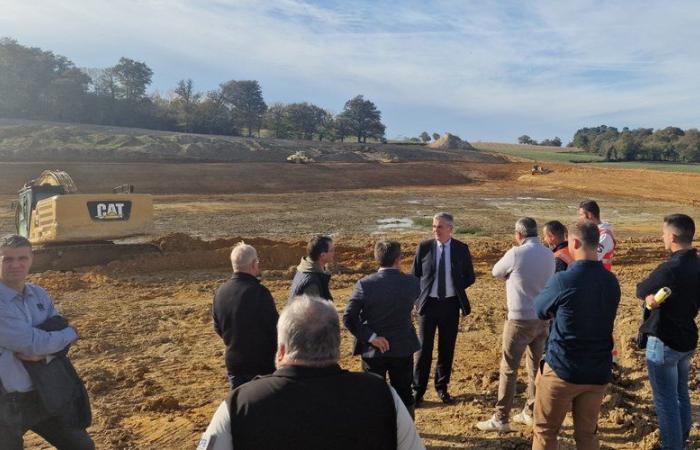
<point>71,230</point>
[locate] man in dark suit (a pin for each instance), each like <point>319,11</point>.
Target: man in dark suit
<point>444,266</point>
<point>245,317</point>
<point>379,316</point>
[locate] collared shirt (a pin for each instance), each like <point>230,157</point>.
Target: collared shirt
<point>218,434</point>
<point>20,313</point>
<point>582,303</point>
<point>449,286</point>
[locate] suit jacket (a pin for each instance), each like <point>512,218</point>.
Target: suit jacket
<point>425,268</point>
<point>381,303</point>
<point>59,386</point>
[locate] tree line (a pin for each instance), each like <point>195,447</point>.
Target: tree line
<point>40,85</point>
<point>640,144</point>
<point>525,139</point>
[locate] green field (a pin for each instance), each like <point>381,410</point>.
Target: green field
<point>575,155</point>
<point>538,153</point>
<point>653,165</point>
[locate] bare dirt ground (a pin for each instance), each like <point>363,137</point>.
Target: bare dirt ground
<point>154,366</point>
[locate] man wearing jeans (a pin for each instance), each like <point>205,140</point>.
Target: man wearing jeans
<point>582,303</point>
<point>526,268</point>
<point>671,330</point>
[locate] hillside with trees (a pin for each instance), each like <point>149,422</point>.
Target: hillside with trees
<point>640,144</point>
<point>36,84</point>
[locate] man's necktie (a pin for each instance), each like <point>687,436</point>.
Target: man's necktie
<point>441,273</point>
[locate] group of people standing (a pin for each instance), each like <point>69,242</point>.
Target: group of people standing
<point>562,300</point>
<point>289,391</point>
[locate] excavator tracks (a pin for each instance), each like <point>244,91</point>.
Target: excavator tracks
<point>66,257</point>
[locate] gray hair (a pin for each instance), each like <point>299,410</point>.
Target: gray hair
<point>243,256</point>
<point>445,217</point>
<point>14,241</point>
<point>309,329</point>
<point>526,226</point>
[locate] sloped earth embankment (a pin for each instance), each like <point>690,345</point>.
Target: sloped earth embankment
<point>50,141</point>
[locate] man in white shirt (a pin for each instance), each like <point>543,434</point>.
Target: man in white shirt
<point>589,210</point>
<point>445,270</point>
<point>526,269</point>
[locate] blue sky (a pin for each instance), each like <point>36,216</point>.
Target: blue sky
<point>485,70</point>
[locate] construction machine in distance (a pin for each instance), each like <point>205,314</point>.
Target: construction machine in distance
<point>70,230</point>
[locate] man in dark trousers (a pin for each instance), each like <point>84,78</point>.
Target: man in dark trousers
<point>444,267</point>
<point>671,329</point>
<point>310,403</point>
<point>379,316</point>
<point>24,308</point>
<point>312,277</point>
<point>245,317</point>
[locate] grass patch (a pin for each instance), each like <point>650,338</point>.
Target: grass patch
<point>652,165</point>
<point>427,222</point>
<point>470,229</point>
<point>423,222</point>
<point>538,153</point>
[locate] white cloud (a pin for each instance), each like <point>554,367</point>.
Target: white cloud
<point>550,61</point>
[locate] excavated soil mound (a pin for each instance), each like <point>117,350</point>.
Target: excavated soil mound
<point>451,142</point>
<point>182,252</point>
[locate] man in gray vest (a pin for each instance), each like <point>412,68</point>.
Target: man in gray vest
<point>379,316</point>
<point>311,403</point>
<point>526,269</point>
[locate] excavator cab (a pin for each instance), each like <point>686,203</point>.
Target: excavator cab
<point>29,195</point>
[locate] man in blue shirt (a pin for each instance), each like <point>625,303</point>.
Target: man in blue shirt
<point>582,303</point>
<point>23,307</point>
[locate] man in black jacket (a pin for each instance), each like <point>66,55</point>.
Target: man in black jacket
<point>311,277</point>
<point>245,317</point>
<point>379,316</point>
<point>671,329</point>
<point>444,267</point>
